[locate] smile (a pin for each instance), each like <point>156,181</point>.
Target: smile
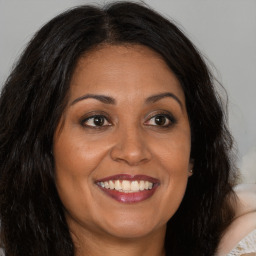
<point>128,189</point>
<point>127,186</point>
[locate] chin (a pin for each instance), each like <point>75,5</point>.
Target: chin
<point>132,226</point>
<point>132,230</point>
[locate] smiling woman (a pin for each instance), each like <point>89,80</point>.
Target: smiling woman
<point>103,153</point>
<point>112,134</point>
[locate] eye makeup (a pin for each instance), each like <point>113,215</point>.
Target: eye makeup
<point>95,120</point>
<point>161,119</point>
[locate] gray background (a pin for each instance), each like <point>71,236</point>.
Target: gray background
<point>223,30</point>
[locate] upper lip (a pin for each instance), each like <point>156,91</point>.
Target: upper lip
<point>129,177</point>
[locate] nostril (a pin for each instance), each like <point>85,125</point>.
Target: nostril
<point>131,153</point>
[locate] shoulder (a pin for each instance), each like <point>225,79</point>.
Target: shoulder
<point>1,252</point>
<point>247,246</point>
<point>243,226</point>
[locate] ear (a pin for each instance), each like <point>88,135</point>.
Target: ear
<point>190,167</point>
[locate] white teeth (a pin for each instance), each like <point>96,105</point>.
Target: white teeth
<point>126,185</point>
<point>118,185</point>
<point>106,184</point>
<point>135,185</point>
<point>142,185</point>
<point>111,184</point>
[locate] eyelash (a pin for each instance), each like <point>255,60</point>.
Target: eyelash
<point>168,117</point>
<point>83,122</point>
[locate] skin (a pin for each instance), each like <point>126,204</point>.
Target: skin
<point>244,222</point>
<point>129,142</point>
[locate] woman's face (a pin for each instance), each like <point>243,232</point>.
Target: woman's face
<point>122,147</point>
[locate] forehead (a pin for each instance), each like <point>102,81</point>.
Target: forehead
<point>125,69</point>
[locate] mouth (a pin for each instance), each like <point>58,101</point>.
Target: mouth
<point>127,188</point>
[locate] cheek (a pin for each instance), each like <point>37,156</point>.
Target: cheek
<point>173,153</point>
<point>176,163</point>
<point>75,162</point>
<point>77,155</point>
<point>174,187</point>
<point>173,157</point>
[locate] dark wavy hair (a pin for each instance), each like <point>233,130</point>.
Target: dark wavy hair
<point>34,98</point>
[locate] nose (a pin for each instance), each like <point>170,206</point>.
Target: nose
<point>131,147</point>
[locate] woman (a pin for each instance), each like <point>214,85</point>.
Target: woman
<point>113,135</point>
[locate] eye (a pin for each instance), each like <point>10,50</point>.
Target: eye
<point>96,121</point>
<point>162,120</point>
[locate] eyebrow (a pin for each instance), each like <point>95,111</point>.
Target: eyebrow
<point>103,98</point>
<point>109,100</point>
<point>157,97</point>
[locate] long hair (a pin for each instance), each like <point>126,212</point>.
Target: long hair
<point>34,98</point>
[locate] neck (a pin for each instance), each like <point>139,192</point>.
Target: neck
<point>95,244</point>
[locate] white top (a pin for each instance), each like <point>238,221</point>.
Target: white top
<point>246,245</point>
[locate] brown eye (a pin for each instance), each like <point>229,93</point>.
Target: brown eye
<point>161,120</point>
<point>96,121</point>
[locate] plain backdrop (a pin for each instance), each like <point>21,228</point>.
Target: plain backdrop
<point>223,30</point>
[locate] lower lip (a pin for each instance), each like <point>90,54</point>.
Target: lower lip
<point>130,197</point>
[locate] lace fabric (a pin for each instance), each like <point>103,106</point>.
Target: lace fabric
<point>246,245</point>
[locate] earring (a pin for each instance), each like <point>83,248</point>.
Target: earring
<point>190,172</point>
